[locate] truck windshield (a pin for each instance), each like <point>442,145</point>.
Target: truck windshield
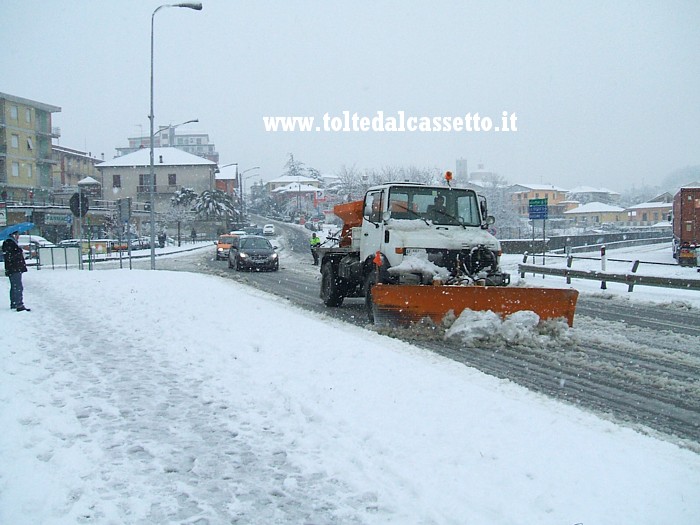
<point>438,205</point>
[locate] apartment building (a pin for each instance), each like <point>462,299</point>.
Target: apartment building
<point>26,162</point>
<point>71,166</point>
<point>521,194</point>
<point>166,136</point>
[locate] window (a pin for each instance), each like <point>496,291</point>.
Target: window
<point>145,182</point>
<point>13,112</point>
<point>29,171</point>
<point>373,206</point>
<point>28,115</point>
<point>30,144</point>
<point>15,169</point>
<point>116,181</point>
<point>15,141</point>
<point>172,179</point>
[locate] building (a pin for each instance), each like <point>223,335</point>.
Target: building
<point>25,149</point>
<point>461,175</point>
<point>286,180</point>
<point>227,179</point>
<point>166,136</point>
<point>70,167</point>
<point>649,213</point>
<point>585,194</point>
<point>174,169</point>
<point>595,214</point>
<point>522,193</point>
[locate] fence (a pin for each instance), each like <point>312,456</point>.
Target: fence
<point>66,257</point>
<point>631,279</point>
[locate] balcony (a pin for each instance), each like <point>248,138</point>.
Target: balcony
<point>160,189</point>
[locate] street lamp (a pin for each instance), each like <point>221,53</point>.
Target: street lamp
<point>173,126</point>
<point>242,180</point>
<point>197,6</point>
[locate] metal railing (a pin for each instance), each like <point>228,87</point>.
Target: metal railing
<point>631,279</point>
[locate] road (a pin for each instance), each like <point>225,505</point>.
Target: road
<point>637,364</point>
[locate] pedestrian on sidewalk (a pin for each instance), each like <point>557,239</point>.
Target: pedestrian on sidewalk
<point>15,266</point>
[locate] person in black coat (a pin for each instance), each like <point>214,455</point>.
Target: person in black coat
<point>15,266</point>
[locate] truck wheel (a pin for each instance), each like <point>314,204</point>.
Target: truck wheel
<point>331,291</point>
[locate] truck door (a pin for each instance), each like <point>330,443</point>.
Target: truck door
<point>372,224</point>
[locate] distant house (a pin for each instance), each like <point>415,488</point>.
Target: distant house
<point>285,180</point>
<point>227,180</point>
<point>522,193</point>
<point>586,194</point>
<point>303,197</point>
<point>594,214</point>
<point>174,169</point>
<point>648,213</point>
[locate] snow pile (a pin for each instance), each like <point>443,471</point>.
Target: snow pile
<point>419,263</point>
<point>524,328</point>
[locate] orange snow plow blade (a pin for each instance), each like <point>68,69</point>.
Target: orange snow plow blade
<point>403,304</point>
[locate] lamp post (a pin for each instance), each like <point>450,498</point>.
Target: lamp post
<point>242,188</point>
<point>197,7</point>
<point>173,126</point>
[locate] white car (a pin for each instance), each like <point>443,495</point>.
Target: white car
<point>31,244</point>
<point>269,229</point>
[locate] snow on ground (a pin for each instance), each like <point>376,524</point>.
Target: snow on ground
<point>168,397</point>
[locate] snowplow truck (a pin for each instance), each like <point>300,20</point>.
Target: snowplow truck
<point>415,251</point>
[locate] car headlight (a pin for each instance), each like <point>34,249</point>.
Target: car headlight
<point>219,249</point>
<point>273,256</point>
<point>243,255</point>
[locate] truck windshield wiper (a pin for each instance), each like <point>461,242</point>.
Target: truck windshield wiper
<point>450,216</point>
<point>416,214</point>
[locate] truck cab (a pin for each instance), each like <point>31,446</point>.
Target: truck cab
<point>441,226</point>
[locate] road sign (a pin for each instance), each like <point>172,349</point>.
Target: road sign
<point>537,209</point>
<point>79,204</point>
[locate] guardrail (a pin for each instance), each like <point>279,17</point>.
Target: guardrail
<point>631,279</point>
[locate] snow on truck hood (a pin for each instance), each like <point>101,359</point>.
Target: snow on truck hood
<point>418,233</point>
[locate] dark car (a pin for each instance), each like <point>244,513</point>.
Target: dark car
<point>253,252</point>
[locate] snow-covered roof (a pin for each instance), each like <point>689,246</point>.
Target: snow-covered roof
<point>87,180</point>
<point>170,156</point>
<point>541,187</point>
<point>291,178</point>
<point>295,187</point>
<point>595,207</point>
<point>591,189</point>
<point>227,172</point>
<point>691,185</point>
<point>647,205</point>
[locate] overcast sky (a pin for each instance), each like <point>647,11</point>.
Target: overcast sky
<point>605,94</point>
